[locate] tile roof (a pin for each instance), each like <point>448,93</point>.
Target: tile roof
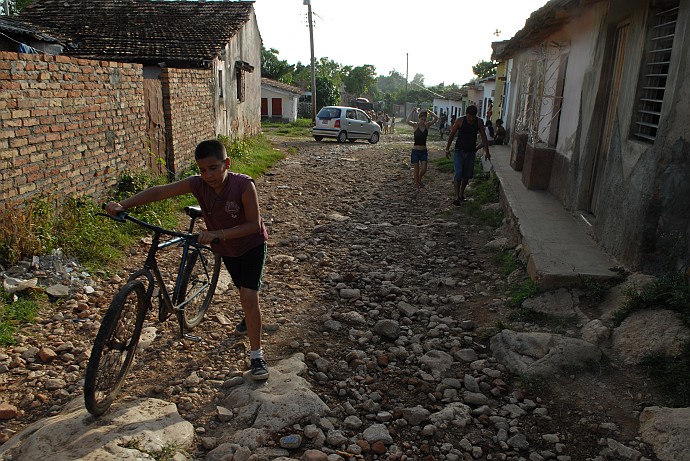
<point>281,85</point>
<point>542,23</point>
<point>179,33</point>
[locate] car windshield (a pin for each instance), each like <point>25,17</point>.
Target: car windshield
<point>329,112</point>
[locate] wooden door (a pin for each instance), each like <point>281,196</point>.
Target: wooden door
<point>277,108</point>
<point>155,125</point>
<point>264,107</point>
<point>614,84</point>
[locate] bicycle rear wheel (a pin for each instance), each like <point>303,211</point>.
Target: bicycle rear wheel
<point>198,285</point>
<point>114,347</point>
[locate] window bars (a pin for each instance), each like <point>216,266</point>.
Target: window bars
<point>654,76</point>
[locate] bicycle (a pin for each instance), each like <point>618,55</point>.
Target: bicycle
<point>117,338</point>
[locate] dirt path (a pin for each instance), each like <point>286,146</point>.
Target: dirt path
<point>338,215</point>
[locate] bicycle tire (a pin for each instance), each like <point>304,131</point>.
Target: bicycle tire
<point>114,347</point>
<point>198,285</point>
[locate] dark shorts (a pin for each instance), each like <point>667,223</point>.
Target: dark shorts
<point>246,270</point>
<point>463,163</point>
<point>419,156</point>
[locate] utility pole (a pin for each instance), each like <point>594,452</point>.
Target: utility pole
<point>313,63</point>
<point>407,78</point>
<point>7,7</point>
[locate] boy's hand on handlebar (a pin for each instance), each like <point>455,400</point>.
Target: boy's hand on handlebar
<point>206,237</point>
<point>113,208</point>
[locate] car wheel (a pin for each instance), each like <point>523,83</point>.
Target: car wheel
<point>342,136</point>
<point>318,138</point>
<point>374,138</point>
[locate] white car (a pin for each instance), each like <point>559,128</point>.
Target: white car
<point>345,124</point>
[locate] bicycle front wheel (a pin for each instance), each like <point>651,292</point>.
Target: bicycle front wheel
<point>114,347</point>
<point>198,285</point>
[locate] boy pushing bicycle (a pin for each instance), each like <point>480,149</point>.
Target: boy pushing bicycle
<point>230,205</point>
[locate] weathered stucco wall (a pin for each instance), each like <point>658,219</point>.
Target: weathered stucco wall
<point>68,126</point>
<point>235,118</point>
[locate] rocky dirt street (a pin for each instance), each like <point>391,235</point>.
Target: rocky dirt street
<point>392,296</point>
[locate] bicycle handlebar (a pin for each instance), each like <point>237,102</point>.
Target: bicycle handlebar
<point>123,216</point>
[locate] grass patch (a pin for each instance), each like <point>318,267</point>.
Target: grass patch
<point>16,312</point>
<point>507,260</point>
<point>299,128</point>
<point>45,224</point>
<point>670,292</point>
<point>671,376</point>
<point>526,289</point>
<point>670,373</point>
<point>263,156</point>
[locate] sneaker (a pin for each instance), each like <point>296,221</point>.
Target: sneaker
<point>258,370</point>
<point>241,327</point>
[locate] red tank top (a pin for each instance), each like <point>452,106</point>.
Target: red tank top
<point>225,210</point>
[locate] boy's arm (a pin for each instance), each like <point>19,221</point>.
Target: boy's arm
<point>152,194</point>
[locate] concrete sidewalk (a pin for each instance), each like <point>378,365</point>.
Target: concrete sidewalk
<point>560,251</point>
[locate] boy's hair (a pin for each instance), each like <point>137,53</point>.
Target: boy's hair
<point>471,110</point>
<point>499,121</point>
<point>210,148</point>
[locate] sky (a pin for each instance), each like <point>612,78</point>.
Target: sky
<point>440,39</point>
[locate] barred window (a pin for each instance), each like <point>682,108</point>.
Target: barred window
<point>654,72</point>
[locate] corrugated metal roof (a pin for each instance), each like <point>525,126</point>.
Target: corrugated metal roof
<point>180,33</point>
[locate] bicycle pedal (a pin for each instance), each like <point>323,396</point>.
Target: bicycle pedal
<point>192,337</point>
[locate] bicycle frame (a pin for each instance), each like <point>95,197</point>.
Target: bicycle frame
<point>151,271</point>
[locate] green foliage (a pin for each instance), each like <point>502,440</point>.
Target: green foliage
<point>299,128</point>
<point>507,260</point>
<point>272,67</point>
<point>327,93</point>
<point>16,6</point>
<point>524,290</point>
<point>667,292</point>
<point>671,375</point>
<point>485,69</point>
<point>361,79</point>
<point>15,313</point>
<point>237,149</point>
<point>264,155</point>
<point>484,191</point>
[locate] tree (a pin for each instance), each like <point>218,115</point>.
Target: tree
<point>15,6</point>
<point>327,93</point>
<point>361,80</point>
<point>274,68</point>
<point>485,69</point>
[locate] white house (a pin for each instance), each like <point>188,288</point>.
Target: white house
<point>279,100</point>
<point>597,106</point>
<point>453,103</point>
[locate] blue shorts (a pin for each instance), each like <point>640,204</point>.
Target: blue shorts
<point>463,163</point>
<point>419,156</point>
<point>246,270</point>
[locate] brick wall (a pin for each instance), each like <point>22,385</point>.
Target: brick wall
<point>68,126</point>
<point>190,121</point>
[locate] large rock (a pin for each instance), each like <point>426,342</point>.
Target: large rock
<point>559,303</point>
<point>667,429</point>
<point>270,406</point>
<point>131,429</point>
<point>542,354</point>
<point>649,332</point>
